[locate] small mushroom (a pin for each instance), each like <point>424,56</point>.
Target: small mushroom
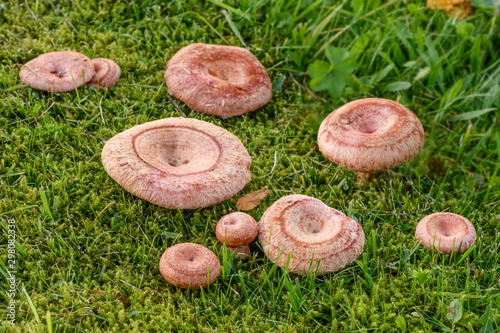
<point>302,234</point>
<point>446,232</point>
<point>107,73</point>
<point>58,71</point>
<point>237,230</point>
<point>178,162</point>
<point>220,80</point>
<point>189,265</point>
<point>369,135</point>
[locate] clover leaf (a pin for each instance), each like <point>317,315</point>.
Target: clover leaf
<point>334,74</point>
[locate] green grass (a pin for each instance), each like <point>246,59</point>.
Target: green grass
<point>79,231</point>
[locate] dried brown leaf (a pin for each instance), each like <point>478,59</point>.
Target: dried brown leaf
<point>252,200</point>
<point>123,299</point>
<point>97,292</point>
<point>451,7</point>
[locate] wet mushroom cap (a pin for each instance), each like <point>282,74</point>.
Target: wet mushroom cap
<point>107,73</point>
<point>219,80</point>
<point>371,134</point>
<point>178,162</point>
<point>58,71</point>
<point>305,234</point>
<point>189,265</point>
<point>237,229</point>
<point>446,232</point>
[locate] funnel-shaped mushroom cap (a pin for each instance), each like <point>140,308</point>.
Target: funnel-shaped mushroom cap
<point>189,265</point>
<point>178,162</point>
<point>236,229</point>
<point>309,235</point>
<point>371,134</point>
<point>446,232</point>
<point>107,73</point>
<point>58,71</point>
<point>219,80</point>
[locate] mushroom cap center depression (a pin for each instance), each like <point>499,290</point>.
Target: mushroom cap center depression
<point>178,150</point>
<point>444,227</point>
<point>312,222</point>
<point>366,120</point>
<point>225,71</point>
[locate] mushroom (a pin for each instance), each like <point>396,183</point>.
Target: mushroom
<point>107,73</point>
<point>237,230</point>
<point>302,234</point>
<point>178,162</point>
<point>58,71</point>
<point>446,232</point>
<point>220,80</point>
<point>189,266</point>
<point>370,134</point>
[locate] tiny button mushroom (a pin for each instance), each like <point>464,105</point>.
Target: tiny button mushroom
<point>107,73</point>
<point>237,230</point>
<point>369,135</point>
<point>446,232</point>
<point>189,265</point>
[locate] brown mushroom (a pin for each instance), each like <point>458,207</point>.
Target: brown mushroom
<point>178,162</point>
<point>369,135</point>
<point>107,73</point>
<point>302,234</point>
<point>241,251</point>
<point>446,232</point>
<point>237,230</point>
<point>189,265</point>
<point>58,71</point>
<point>220,80</point>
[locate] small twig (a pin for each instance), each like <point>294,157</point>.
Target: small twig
<point>128,284</point>
<point>175,105</point>
<point>274,166</point>
<point>313,95</point>
<point>347,312</point>
<point>100,111</point>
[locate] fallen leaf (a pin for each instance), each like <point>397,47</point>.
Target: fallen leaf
<point>452,7</point>
<point>252,200</point>
<point>123,299</point>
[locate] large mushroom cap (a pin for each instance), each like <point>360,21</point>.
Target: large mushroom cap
<point>58,71</point>
<point>178,162</point>
<point>107,73</point>
<point>236,229</point>
<point>309,235</point>
<point>219,80</point>
<point>371,134</point>
<point>189,265</point>
<point>446,232</point>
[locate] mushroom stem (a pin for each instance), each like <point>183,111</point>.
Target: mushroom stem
<point>364,177</point>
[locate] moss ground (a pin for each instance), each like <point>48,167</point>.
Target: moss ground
<point>88,251</point>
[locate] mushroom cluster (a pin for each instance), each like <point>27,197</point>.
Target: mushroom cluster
<point>67,70</point>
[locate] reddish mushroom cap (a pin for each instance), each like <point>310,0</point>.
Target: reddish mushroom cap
<point>219,80</point>
<point>446,232</point>
<point>189,265</point>
<point>371,134</point>
<point>178,162</point>
<point>237,229</point>
<point>300,233</point>
<point>107,73</point>
<point>58,71</point>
